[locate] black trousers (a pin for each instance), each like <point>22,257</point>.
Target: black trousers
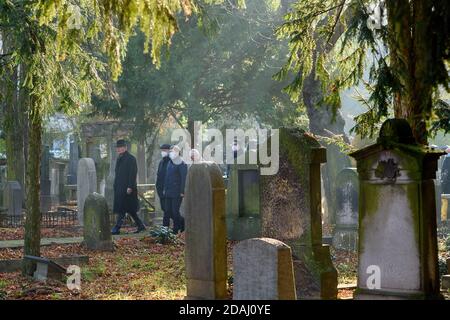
<point>172,211</point>
<point>121,217</point>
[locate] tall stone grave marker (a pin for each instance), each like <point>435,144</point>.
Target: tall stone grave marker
<point>263,270</point>
<point>445,176</point>
<point>86,184</point>
<point>291,213</point>
<point>96,231</point>
<point>46,198</point>
<point>346,231</point>
<point>397,217</point>
<point>206,249</point>
<point>13,198</point>
<point>74,157</point>
<point>243,202</point>
<point>109,187</point>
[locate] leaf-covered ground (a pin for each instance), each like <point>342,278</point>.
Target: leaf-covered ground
<point>137,269</point>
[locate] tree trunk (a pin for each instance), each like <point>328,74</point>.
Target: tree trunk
<point>33,218</point>
<point>411,61</point>
<point>322,122</point>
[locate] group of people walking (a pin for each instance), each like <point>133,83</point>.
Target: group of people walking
<point>170,184</point>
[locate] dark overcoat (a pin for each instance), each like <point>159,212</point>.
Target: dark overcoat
<point>175,180</point>
<point>126,177</point>
<point>161,176</point>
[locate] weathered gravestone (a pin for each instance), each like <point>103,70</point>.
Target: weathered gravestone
<point>13,198</point>
<point>445,208</point>
<point>96,230</point>
<point>446,277</point>
<point>109,187</point>
<point>86,183</point>
<point>74,157</point>
<point>397,232</point>
<point>263,270</point>
<point>445,176</point>
<point>46,269</point>
<point>206,248</point>
<point>243,203</point>
<point>291,213</point>
<point>45,183</point>
<point>346,231</point>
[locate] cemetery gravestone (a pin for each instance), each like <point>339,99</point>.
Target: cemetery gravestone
<point>74,157</point>
<point>206,248</point>
<point>109,187</point>
<point>96,231</point>
<point>263,270</point>
<point>13,198</point>
<point>397,231</point>
<point>445,207</point>
<point>346,231</point>
<point>86,184</point>
<point>45,187</point>
<point>291,213</point>
<point>446,277</point>
<point>61,193</point>
<point>445,176</point>
<point>243,202</point>
<point>46,269</point>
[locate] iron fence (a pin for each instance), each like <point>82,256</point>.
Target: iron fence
<point>63,217</point>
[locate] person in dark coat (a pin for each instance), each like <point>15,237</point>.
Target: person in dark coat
<point>174,184</point>
<point>160,177</point>
<point>125,188</point>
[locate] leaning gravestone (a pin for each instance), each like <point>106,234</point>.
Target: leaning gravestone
<point>397,257</point>
<point>263,270</point>
<point>291,213</point>
<point>346,231</point>
<point>86,183</point>
<point>13,198</point>
<point>97,235</point>
<point>206,248</point>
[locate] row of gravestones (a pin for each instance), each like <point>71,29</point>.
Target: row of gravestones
<point>51,186</point>
<point>290,249</point>
<point>398,241</point>
<point>398,252</point>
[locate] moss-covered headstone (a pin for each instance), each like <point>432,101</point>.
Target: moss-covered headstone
<point>397,217</point>
<point>96,231</point>
<point>291,213</point>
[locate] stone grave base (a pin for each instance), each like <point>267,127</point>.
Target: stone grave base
<point>367,294</point>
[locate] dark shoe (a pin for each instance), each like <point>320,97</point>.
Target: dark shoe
<point>114,232</point>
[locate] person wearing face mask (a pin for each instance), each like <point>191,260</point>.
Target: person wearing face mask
<point>160,177</point>
<point>173,191</point>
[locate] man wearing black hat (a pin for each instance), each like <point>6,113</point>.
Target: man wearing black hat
<point>125,188</point>
<point>160,177</point>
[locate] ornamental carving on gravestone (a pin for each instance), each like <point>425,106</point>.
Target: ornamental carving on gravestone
<point>388,170</point>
